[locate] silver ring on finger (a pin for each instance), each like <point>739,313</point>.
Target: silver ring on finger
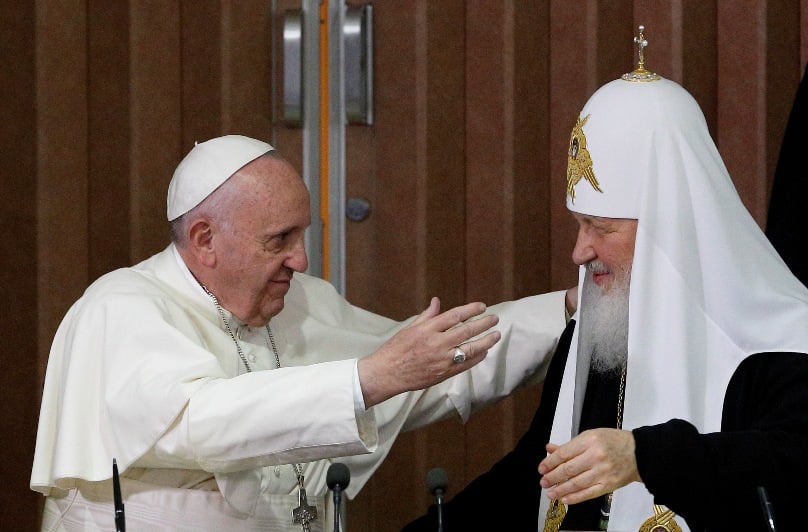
<point>458,355</point>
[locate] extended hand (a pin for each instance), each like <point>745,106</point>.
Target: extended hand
<point>591,464</point>
<point>420,354</point>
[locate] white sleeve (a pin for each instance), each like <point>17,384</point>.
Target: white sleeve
<point>530,330</point>
<point>281,416</point>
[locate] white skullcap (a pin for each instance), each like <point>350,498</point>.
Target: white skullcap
<point>612,146</point>
<point>206,167</point>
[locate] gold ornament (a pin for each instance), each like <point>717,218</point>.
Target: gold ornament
<point>579,162</point>
<point>555,515</point>
<point>661,521</point>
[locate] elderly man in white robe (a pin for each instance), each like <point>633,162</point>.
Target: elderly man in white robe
<point>224,381</point>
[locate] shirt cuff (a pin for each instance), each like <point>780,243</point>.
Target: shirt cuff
<point>359,399</point>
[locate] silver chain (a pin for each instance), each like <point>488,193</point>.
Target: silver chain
<point>297,467</point>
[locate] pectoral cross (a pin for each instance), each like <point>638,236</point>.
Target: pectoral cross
<point>304,513</point>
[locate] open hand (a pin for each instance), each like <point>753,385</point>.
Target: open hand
<point>421,354</point>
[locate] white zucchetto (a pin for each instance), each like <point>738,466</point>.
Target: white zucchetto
<point>206,167</point>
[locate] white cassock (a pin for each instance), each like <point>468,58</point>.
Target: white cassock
<point>142,370</point>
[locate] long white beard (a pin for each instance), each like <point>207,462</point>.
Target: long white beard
<point>604,321</point>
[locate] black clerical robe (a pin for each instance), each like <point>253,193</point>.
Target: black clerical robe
<point>710,480</point>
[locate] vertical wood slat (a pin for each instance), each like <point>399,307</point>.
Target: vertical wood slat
<point>62,166</point>
<point>741,120</point>
<point>108,136</point>
<point>245,57</point>
<point>201,77</point>
<point>20,382</point>
<point>156,131</point>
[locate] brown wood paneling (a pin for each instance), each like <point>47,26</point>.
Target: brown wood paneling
<point>20,379</point>
<point>156,125</point>
<point>489,198</point>
<point>444,189</point>
<point>61,160</point>
<point>246,61</point>
<point>400,111</point>
<point>699,56</point>
<point>108,136</point>
<point>613,39</point>
<point>201,49</point>
<point>741,106</point>
<point>533,192</point>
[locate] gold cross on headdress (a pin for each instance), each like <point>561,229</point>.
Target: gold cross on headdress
<point>641,43</point>
<point>641,74</point>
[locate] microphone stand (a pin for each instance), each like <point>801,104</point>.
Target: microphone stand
<point>436,481</point>
<point>766,506</point>
<point>337,503</point>
<point>439,497</point>
<point>120,519</point>
<point>337,479</point>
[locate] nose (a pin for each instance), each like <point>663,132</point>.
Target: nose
<point>583,251</point>
<point>297,259</point>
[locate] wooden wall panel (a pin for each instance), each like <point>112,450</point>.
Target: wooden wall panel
<point>741,110</point>
<point>108,136</point>
<point>20,379</point>
<point>202,51</point>
<point>245,56</point>
<point>156,108</point>
<point>696,61</point>
<point>62,166</point>
<point>156,121</point>
<point>465,165</point>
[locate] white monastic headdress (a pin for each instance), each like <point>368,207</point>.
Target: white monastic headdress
<point>707,288</point>
<point>206,167</point>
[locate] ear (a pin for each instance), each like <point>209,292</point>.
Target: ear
<point>200,237</point>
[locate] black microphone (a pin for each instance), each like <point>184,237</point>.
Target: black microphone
<point>766,506</point>
<point>437,481</point>
<point>337,478</point>
<point>120,519</point>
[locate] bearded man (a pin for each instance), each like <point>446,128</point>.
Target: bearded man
<point>688,410</point>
